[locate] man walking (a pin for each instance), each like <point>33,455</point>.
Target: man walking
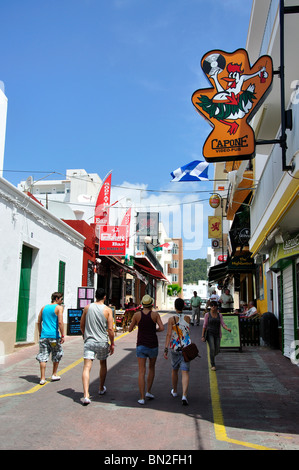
<point>50,321</point>
<point>195,304</point>
<point>96,326</point>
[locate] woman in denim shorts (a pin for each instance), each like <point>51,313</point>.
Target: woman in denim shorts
<point>147,344</point>
<point>180,323</point>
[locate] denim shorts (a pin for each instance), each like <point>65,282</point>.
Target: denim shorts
<point>47,347</point>
<point>93,349</point>
<point>177,361</point>
<point>144,352</point>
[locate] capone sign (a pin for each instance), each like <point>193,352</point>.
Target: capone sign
<point>237,92</point>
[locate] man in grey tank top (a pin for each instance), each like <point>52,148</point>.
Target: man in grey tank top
<point>97,328</point>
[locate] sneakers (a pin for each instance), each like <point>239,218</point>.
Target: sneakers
<point>149,395</point>
<point>86,401</point>
<point>174,394</point>
<point>42,382</point>
<point>101,392</point>
<point>184,401</point>
<point>54,378</point>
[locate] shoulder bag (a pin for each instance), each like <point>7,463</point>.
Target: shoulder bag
<point>189,352</point>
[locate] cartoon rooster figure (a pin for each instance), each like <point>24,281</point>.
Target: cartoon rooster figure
<point>233,102</point>
<point>237,91</point>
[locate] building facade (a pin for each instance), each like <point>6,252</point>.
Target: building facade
<point>40,254</point>
<point>263,193</point>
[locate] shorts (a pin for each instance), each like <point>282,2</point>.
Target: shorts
<point>94,350</point>
<point>177,361</point>
<point>144,352</point>
<point>46,348</point>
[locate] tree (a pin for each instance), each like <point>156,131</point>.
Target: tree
<point>173,289</point>
<point>195,270</point>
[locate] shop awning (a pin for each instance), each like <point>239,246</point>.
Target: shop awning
<point>153,272</point>
<point>218,272</point>
<point>240,194</point>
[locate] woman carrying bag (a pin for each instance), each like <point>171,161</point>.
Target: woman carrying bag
<point>211,331</point>
<point>178,337</point>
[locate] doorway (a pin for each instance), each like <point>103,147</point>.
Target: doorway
<point>24,294</point>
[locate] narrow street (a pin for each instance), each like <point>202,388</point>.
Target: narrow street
<point>251,402</point>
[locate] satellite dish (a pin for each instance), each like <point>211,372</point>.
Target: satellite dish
<point>28,183</point>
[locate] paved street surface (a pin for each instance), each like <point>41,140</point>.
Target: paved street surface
<point>250,403</point>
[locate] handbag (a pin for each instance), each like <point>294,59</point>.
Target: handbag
<point>189,352</point>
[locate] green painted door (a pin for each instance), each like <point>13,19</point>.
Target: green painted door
<point>24,294</point>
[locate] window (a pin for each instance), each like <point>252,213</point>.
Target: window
<point>175,249</point>
<point>175,263</point>
<point>175,278</point>
<point>61,277</point>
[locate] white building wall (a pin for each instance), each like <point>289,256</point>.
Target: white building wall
<point>24,221</point>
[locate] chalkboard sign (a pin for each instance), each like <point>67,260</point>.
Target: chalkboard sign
<point>73,325</point>
<point>231,340</point>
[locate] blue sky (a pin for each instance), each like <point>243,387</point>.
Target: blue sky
<point>107,84</point>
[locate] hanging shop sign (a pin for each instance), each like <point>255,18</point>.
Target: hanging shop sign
<point>214,201</point>
<point>112,240</point>
<point>215,243</point>
<point>237,91</point>
<point>281,253</point>
<point>242,263</point>
<point>215,227</point>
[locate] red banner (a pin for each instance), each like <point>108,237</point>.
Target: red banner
<point>101,213</point>
<point>112,240</point>
<point>126,221</point>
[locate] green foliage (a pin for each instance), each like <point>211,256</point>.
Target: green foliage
<point>195,270</point>
<point>173,289</point>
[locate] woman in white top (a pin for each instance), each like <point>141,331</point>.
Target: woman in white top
<point>178,323</point>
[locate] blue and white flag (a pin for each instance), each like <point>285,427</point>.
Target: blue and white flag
<point>193,171</point>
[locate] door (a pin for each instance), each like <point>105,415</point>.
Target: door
<point>24,294</point>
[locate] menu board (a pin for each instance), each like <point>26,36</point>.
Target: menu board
<point>231,340</point>
<point>85,296</point>
<point>73,324</point>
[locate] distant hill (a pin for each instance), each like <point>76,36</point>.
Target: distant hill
<point>195,270</point>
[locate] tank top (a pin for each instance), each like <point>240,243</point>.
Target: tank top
<point>184,331</point>
<point>214,325</point>
<point>49,322</point>
<point>96,324</point>
<point>147,335</point>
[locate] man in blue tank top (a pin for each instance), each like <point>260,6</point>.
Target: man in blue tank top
<point>50,322</point>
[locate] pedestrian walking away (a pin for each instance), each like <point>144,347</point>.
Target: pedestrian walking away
<point>50,322</point>
<point>147,321</point>
<point>195,304</point>
<point>177,337</point>
<point>211,331</point>
<point>97,329</point>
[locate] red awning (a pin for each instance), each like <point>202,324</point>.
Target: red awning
<point>153,272</point>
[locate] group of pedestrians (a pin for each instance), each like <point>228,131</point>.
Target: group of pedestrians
<point>98,334</point>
